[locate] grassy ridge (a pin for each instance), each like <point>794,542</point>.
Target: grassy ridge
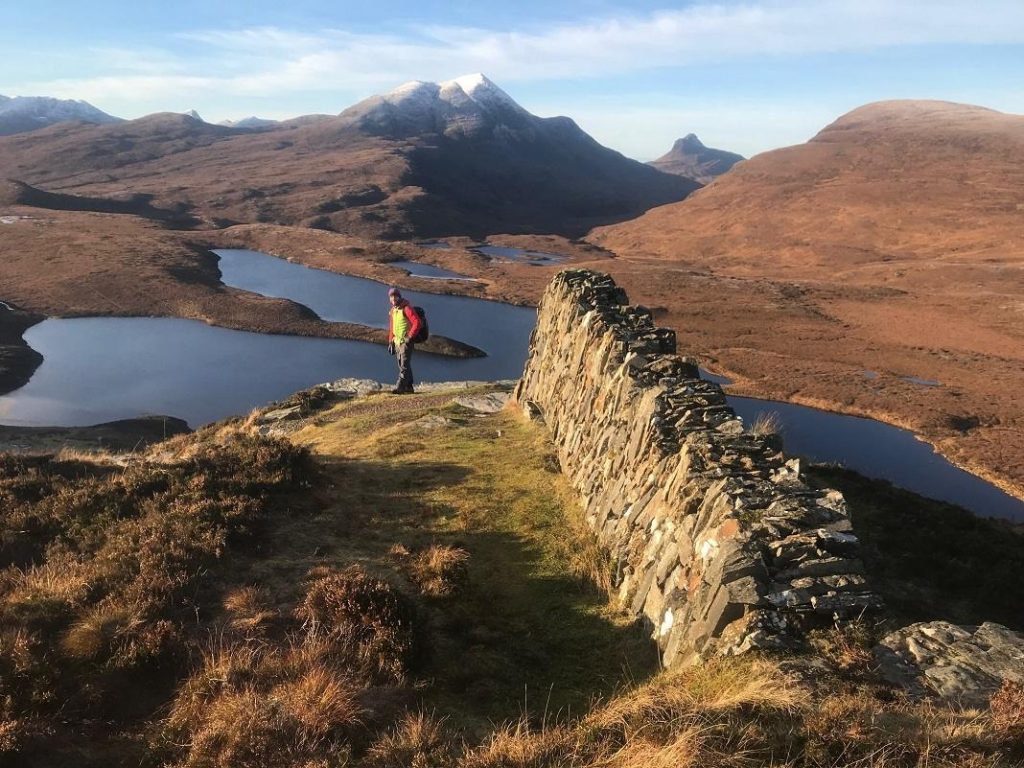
<point>397,582</point>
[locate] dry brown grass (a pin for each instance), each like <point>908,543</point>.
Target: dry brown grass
<point>746,712</point>
<point>251,610</point>
<point>418,740</point>
<point>125,588</point>
<point>308,700</point>
<point>353,607</point>
<point>109,568</point>
<point>1008,714</point>
<point>440,570</point>
<point>767,423</point>
<point>847,647</point>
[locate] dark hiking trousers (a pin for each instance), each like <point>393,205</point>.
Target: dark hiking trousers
<point>404,354</point>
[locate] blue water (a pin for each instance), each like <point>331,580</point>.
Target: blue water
<point>429,271</point>
<point>881,451</point>
<point>102,369</point>
<point>503,253</point>
<point>877,450</point>
<point>501,330</point>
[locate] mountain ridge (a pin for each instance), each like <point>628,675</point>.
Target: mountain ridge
<point>423,160</point>
<point>21,114</point>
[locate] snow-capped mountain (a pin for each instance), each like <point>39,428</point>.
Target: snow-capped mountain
<point>248,122</point>
<point>490,165</point>
<point>464,106</point>
<point>28,113</point>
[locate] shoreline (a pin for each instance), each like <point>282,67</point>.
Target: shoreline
<point>18,360</point>
<point>741,386</point>
<point>791,349</point>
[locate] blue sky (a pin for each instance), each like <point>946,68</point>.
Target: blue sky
<point>746,76</point>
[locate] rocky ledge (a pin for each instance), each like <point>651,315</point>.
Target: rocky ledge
<point>965,664</point>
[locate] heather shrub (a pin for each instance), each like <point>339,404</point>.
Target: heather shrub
<point>1007,709</point>
<point>106,567</point>
<point>351,607</point>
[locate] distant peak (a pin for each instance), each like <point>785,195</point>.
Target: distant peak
<point>194,115</point>
<point>470,83</point>
<point>476,87</point>
<point>690,140</point>
<point>409,88</point>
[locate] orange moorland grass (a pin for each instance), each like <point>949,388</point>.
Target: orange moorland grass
<point>418,740</point>
<point>750,713</point>
<point>250,609</point>
<point>107,567</point>
<point>440,570</point>
<point>314,697</point>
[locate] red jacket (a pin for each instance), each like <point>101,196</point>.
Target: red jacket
<point>410,315</point>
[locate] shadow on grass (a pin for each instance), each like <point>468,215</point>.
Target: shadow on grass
<point>931,560</point>
<point>524,635</point>
<point>521,640</point>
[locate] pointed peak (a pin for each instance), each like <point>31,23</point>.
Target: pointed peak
<point>689,141</point>
<point>194,115</point>
<point>470,83</point>
<point>481,89</point>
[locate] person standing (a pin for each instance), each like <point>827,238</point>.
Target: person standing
<point>403,328</point>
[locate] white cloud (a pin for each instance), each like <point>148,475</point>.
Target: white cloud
<point>339,66</point>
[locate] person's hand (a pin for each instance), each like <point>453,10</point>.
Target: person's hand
<point>391,347</point>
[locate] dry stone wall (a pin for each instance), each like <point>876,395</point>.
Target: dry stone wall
<point>715,540</point>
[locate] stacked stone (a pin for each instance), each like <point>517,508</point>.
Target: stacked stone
<point>716,541</point>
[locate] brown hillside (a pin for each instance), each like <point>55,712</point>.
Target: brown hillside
<point>513,173</point>
<point>892,243</point>
<point>288,175</point>
<point>889,181</point>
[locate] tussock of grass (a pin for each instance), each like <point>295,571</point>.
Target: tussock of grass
<point>353,607</point>
<point>767,423</point>
<point>847,647</point>
<point>440,570</point>
<point>250,610</point>
<point>418,740</point>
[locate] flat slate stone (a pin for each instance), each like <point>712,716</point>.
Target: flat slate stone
<point>492,402</point>
<point>961,663</point>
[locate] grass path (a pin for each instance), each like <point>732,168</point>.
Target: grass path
<point>529,633</point>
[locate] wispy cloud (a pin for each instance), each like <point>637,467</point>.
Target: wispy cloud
<point>268,61</point>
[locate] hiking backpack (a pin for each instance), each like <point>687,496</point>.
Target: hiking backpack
<point>424,331</point>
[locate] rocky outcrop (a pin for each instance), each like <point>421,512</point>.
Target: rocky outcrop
<point>715,540</point>
<point>965,664</point>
